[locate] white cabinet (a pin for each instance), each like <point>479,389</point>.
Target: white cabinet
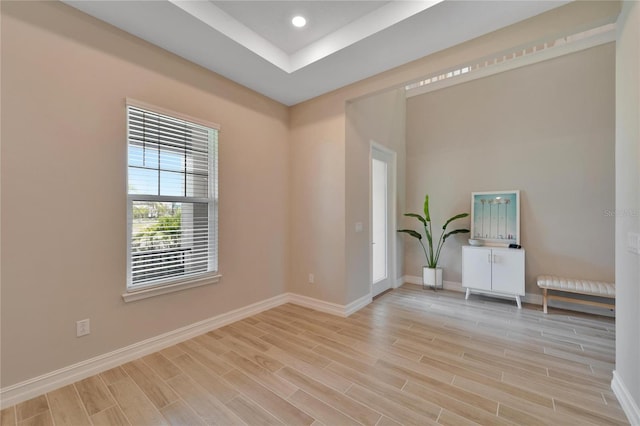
<point>493,271</point>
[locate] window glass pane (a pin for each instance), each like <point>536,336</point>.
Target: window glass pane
<point>198,163</point>
<point>171,161</point>
<point>150,156</point>
<point>196,236</point>
<point>168,240</point>
<point>143,181</point>
<point>197,186</point>
<point>136,156</point>
<point>171,183</point>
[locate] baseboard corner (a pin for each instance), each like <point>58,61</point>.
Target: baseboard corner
<point>628,404</point>
<point>36,386</point>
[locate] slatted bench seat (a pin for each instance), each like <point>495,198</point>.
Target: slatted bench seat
<point>578,286</point>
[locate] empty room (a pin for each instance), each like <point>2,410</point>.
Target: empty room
<point>319,212</point>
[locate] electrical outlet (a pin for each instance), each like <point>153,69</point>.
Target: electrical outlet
<point>83,327</point>
<point>311,279</point>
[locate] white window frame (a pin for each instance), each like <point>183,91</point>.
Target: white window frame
<point>169,285</point>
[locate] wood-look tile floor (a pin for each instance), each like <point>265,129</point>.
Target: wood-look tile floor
<point>413,356</point>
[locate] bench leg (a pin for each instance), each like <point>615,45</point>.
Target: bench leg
<point>544,300</point>
<point>466,296</point>
<point>518,302</point>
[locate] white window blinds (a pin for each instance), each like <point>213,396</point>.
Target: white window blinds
<point>172,198</point>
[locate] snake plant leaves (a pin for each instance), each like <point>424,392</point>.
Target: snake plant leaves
<point>458,216</point>
<point>429,237</point>
<point>417,216</point>
<point>427,216</point>
<point>432,256</point>
<point>411,232</point>
<point>457,231</point>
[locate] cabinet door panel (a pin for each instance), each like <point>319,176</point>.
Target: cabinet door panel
<point>476,268</point>
<point>508,271</point>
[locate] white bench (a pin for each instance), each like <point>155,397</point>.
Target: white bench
<point>572,285</point>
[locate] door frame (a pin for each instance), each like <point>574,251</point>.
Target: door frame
<point>392,197</point>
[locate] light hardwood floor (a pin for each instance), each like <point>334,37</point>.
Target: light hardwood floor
<point>413,356</point>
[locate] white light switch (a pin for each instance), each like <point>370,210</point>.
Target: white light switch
<point>359,227</point>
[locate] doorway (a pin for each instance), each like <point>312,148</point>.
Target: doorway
<point>383,220</point>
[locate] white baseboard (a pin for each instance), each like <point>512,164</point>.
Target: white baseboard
<point>399,282</point>
<point>357,304</point>
<point>627,403</point>
<point>36,386</point>
<point>536,299</point>
<point>328,307</point>
<point>412,279</point>
<point>447,285</point>
<point>532,298</point>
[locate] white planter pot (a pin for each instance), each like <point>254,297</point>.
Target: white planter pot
<point>432,277</point>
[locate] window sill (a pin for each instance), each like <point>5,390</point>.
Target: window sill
<point>144,293</point>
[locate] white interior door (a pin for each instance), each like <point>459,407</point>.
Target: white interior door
<point>382,219</point>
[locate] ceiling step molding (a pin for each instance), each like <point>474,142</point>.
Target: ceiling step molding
<point>513,58</point>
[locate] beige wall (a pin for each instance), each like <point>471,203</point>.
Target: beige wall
<point>378,118</point>
<point>64,80</point>
<point>283,180</point>
<point>317,185</point>
<point>628,198</point>
<point>317,130</point>
<point>545,129</point>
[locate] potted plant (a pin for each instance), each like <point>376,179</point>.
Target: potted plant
<point>431,273</point>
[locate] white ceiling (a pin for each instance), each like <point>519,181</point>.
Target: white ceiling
<point>254,44</point>
<point>271,19</point>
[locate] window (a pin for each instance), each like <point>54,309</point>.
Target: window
<point>172,199</point>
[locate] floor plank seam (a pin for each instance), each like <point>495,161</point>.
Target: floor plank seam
<point>82,404</point>
<point>53,420</point>
<point>455,361</point>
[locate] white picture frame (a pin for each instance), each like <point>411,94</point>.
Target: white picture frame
<point>495,217</point>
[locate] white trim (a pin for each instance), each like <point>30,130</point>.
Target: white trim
<point>357,304</point>
<point>629,406</point>
<point>446,285</point>
<point>147,292</point>
<point>152,287</point>
<point>355,31</point>
<point>531,298</point>
<point>36,386</point>
<point>317,304</point>
<point>393,219</point>
<point>329,307</point>
<point>607,36</point>
<point>453,286</point>
<point>170,113</point>
<point>536,299</point>
<point>412,279</point>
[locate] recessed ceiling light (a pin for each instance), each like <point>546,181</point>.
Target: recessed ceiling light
<point>299,21</point>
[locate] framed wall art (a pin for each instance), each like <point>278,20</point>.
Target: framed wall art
<point>495,217</point>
